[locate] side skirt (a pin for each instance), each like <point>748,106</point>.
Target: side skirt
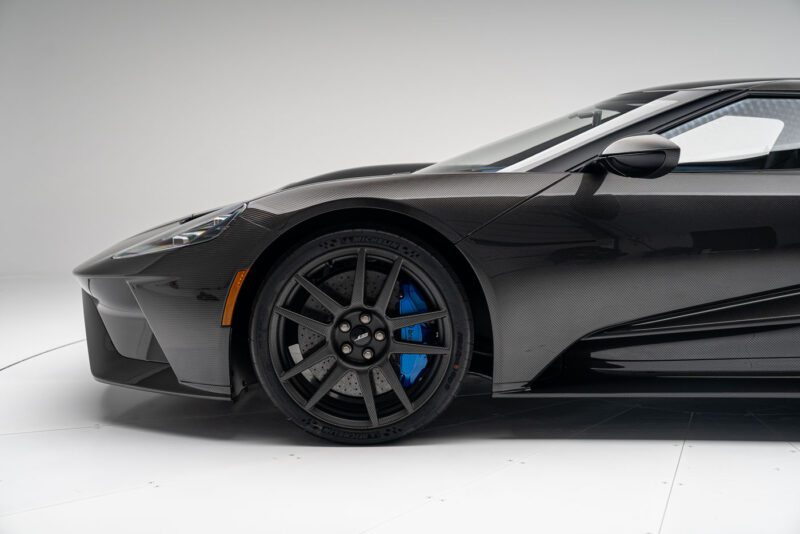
<point>719,388</point>
<point>743,348</point>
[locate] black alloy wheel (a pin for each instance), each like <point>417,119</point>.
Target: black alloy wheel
<point>361,336</point>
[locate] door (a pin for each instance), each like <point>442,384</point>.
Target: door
<point>705,254</point>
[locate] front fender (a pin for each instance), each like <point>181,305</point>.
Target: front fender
<point>454,204</point>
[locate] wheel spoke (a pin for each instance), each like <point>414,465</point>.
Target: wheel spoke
<point>365,383</point>
<point>396,323</point>
<point>319,355</point>
<point>359,280</point>
<point>397,387</point>
<point>308,322</point>
<point>334,307</point>
<point>334,375</point>
<point>400,347</point>
<point>386,291</point>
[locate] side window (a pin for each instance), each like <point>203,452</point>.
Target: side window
<point>752,134</point>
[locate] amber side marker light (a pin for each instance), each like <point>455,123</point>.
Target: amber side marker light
<point>233,292</point>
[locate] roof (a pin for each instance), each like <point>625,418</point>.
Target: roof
<point>766,84</point>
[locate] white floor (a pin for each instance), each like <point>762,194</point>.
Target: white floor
<point>79,456</point>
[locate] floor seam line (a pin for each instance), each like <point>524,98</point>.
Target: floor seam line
<point>495,416</point>
<point>6,434</point>
<point>42,353</point>
<point>492,473</point>
<point>604,421</point>
<point>768,427</point>
<point>78,500</point>
<point>675,474</point>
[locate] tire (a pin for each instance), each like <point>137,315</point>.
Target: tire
<point>332,353</point>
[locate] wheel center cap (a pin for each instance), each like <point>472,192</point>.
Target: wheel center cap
<point>360,336</point>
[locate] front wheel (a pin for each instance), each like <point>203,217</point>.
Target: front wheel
<point>361,335</point>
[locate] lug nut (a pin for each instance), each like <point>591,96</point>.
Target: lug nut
<point>365,318</point>
<point>344,326</point>
<point>379,335</point>
<point>347,348</point>
<point>368,354</point>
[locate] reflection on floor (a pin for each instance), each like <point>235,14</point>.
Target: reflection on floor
<point>81,456</point>
<point>36,314</point>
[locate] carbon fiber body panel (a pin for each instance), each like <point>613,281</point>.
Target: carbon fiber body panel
<point>174,301</point>
<point>593,283</point>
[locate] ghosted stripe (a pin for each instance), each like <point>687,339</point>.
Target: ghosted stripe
<point>41,353</point>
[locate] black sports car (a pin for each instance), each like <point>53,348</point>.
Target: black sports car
<point>648,245</point>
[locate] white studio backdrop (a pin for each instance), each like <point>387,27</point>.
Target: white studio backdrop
<point>115,116</point>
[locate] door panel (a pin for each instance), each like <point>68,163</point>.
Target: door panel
<point>590,254</point>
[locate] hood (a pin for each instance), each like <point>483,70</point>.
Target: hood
<point>359,172</point>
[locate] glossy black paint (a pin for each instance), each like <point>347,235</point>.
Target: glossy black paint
<point>174,301</point>
<point>640,156</point>
<point>565,266</point>
<point>594,283</point>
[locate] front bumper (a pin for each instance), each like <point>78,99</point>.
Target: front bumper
<point>111,367</point>
<point>155,322</point>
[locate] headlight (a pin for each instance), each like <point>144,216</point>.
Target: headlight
<point>197,230</point>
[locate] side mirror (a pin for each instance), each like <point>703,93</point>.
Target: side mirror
<point>641,156</point>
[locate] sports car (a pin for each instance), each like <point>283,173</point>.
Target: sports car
<point>648,245</point>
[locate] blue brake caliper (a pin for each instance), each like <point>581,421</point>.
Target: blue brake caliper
<point>412,365</point>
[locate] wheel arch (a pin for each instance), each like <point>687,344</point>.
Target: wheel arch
<point>242,372</point>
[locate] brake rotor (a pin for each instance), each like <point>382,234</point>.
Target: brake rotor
<point>341,285</point>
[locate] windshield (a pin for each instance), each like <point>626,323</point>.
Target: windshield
<point>516,148</point>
